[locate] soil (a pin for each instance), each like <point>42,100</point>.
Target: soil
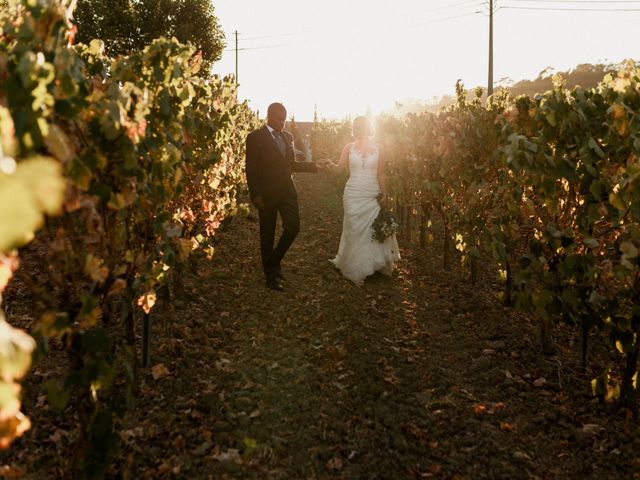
<point>421,375</point>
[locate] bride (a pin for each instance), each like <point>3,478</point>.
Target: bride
<point>359,255</point>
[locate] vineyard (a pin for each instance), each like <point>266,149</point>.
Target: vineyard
<point>137,161</point>
<point>124,220</point>
<point>542,192</point>
<point>546,189</point>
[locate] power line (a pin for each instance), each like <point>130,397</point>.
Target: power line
<point>572,9</point>
<point>466,3</point>
<point>492,6</point>
<point>454,5</point>
<point>474,4</point>
<point>453,17</point>
<point>277,35</point>
<point>598,7</point>
<point>446,19</point>
<point>278,45</point>
<point>286,44</point>
<point>559,2</point>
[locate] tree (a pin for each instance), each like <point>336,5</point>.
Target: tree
<point>112,21</point>
<point>586,75</point>
<point>128,25</point>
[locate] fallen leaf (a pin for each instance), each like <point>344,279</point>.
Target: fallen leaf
<point>479,409</point>
<point>202,449</point>
<point>521,456</point>
<point>7,471</point>
<point>178,442</point>
<point>592,429</point>
<point>506,427</point>
<point>250,444</point>
<point>132,433</point>
<point>540,382</point>
<point>231,455</point>
<point>159,371</point>
<point>56,437</point>
<point>334,464</point>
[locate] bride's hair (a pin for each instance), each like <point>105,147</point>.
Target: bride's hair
<point>362,127</point>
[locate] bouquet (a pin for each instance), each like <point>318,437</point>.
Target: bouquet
<point>384,226</point>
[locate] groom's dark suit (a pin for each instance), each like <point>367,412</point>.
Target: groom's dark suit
<point>269,167</point>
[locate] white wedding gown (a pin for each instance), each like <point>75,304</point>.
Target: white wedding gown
<point>359,255</point>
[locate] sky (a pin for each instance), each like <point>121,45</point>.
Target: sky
<point>346,57</point>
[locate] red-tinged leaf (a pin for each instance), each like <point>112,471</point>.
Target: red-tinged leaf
<point>506,427</point>
<point>479,409</point>
<point>8,265</point>
<point>159,371</point>
<point>147,301</point>
<point>12,425</point>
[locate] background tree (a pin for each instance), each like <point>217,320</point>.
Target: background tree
<point>586,75</point>
<point>128,25</point>
<point>112,21</point>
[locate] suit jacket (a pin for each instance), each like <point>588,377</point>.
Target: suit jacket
<point>268,171</point>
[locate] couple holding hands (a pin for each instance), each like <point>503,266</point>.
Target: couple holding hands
<point>270,162</point>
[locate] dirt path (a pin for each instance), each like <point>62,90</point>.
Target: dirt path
<point>417,376</point>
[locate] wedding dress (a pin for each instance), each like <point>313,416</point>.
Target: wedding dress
<point>359,255</point>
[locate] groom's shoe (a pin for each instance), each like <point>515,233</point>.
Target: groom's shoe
<point>274,284</point>
<point>278,273</point>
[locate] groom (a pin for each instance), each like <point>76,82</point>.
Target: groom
<point>270,163</point>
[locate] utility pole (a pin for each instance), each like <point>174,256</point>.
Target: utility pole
<point>490,82</point>
<point>236,57</point>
